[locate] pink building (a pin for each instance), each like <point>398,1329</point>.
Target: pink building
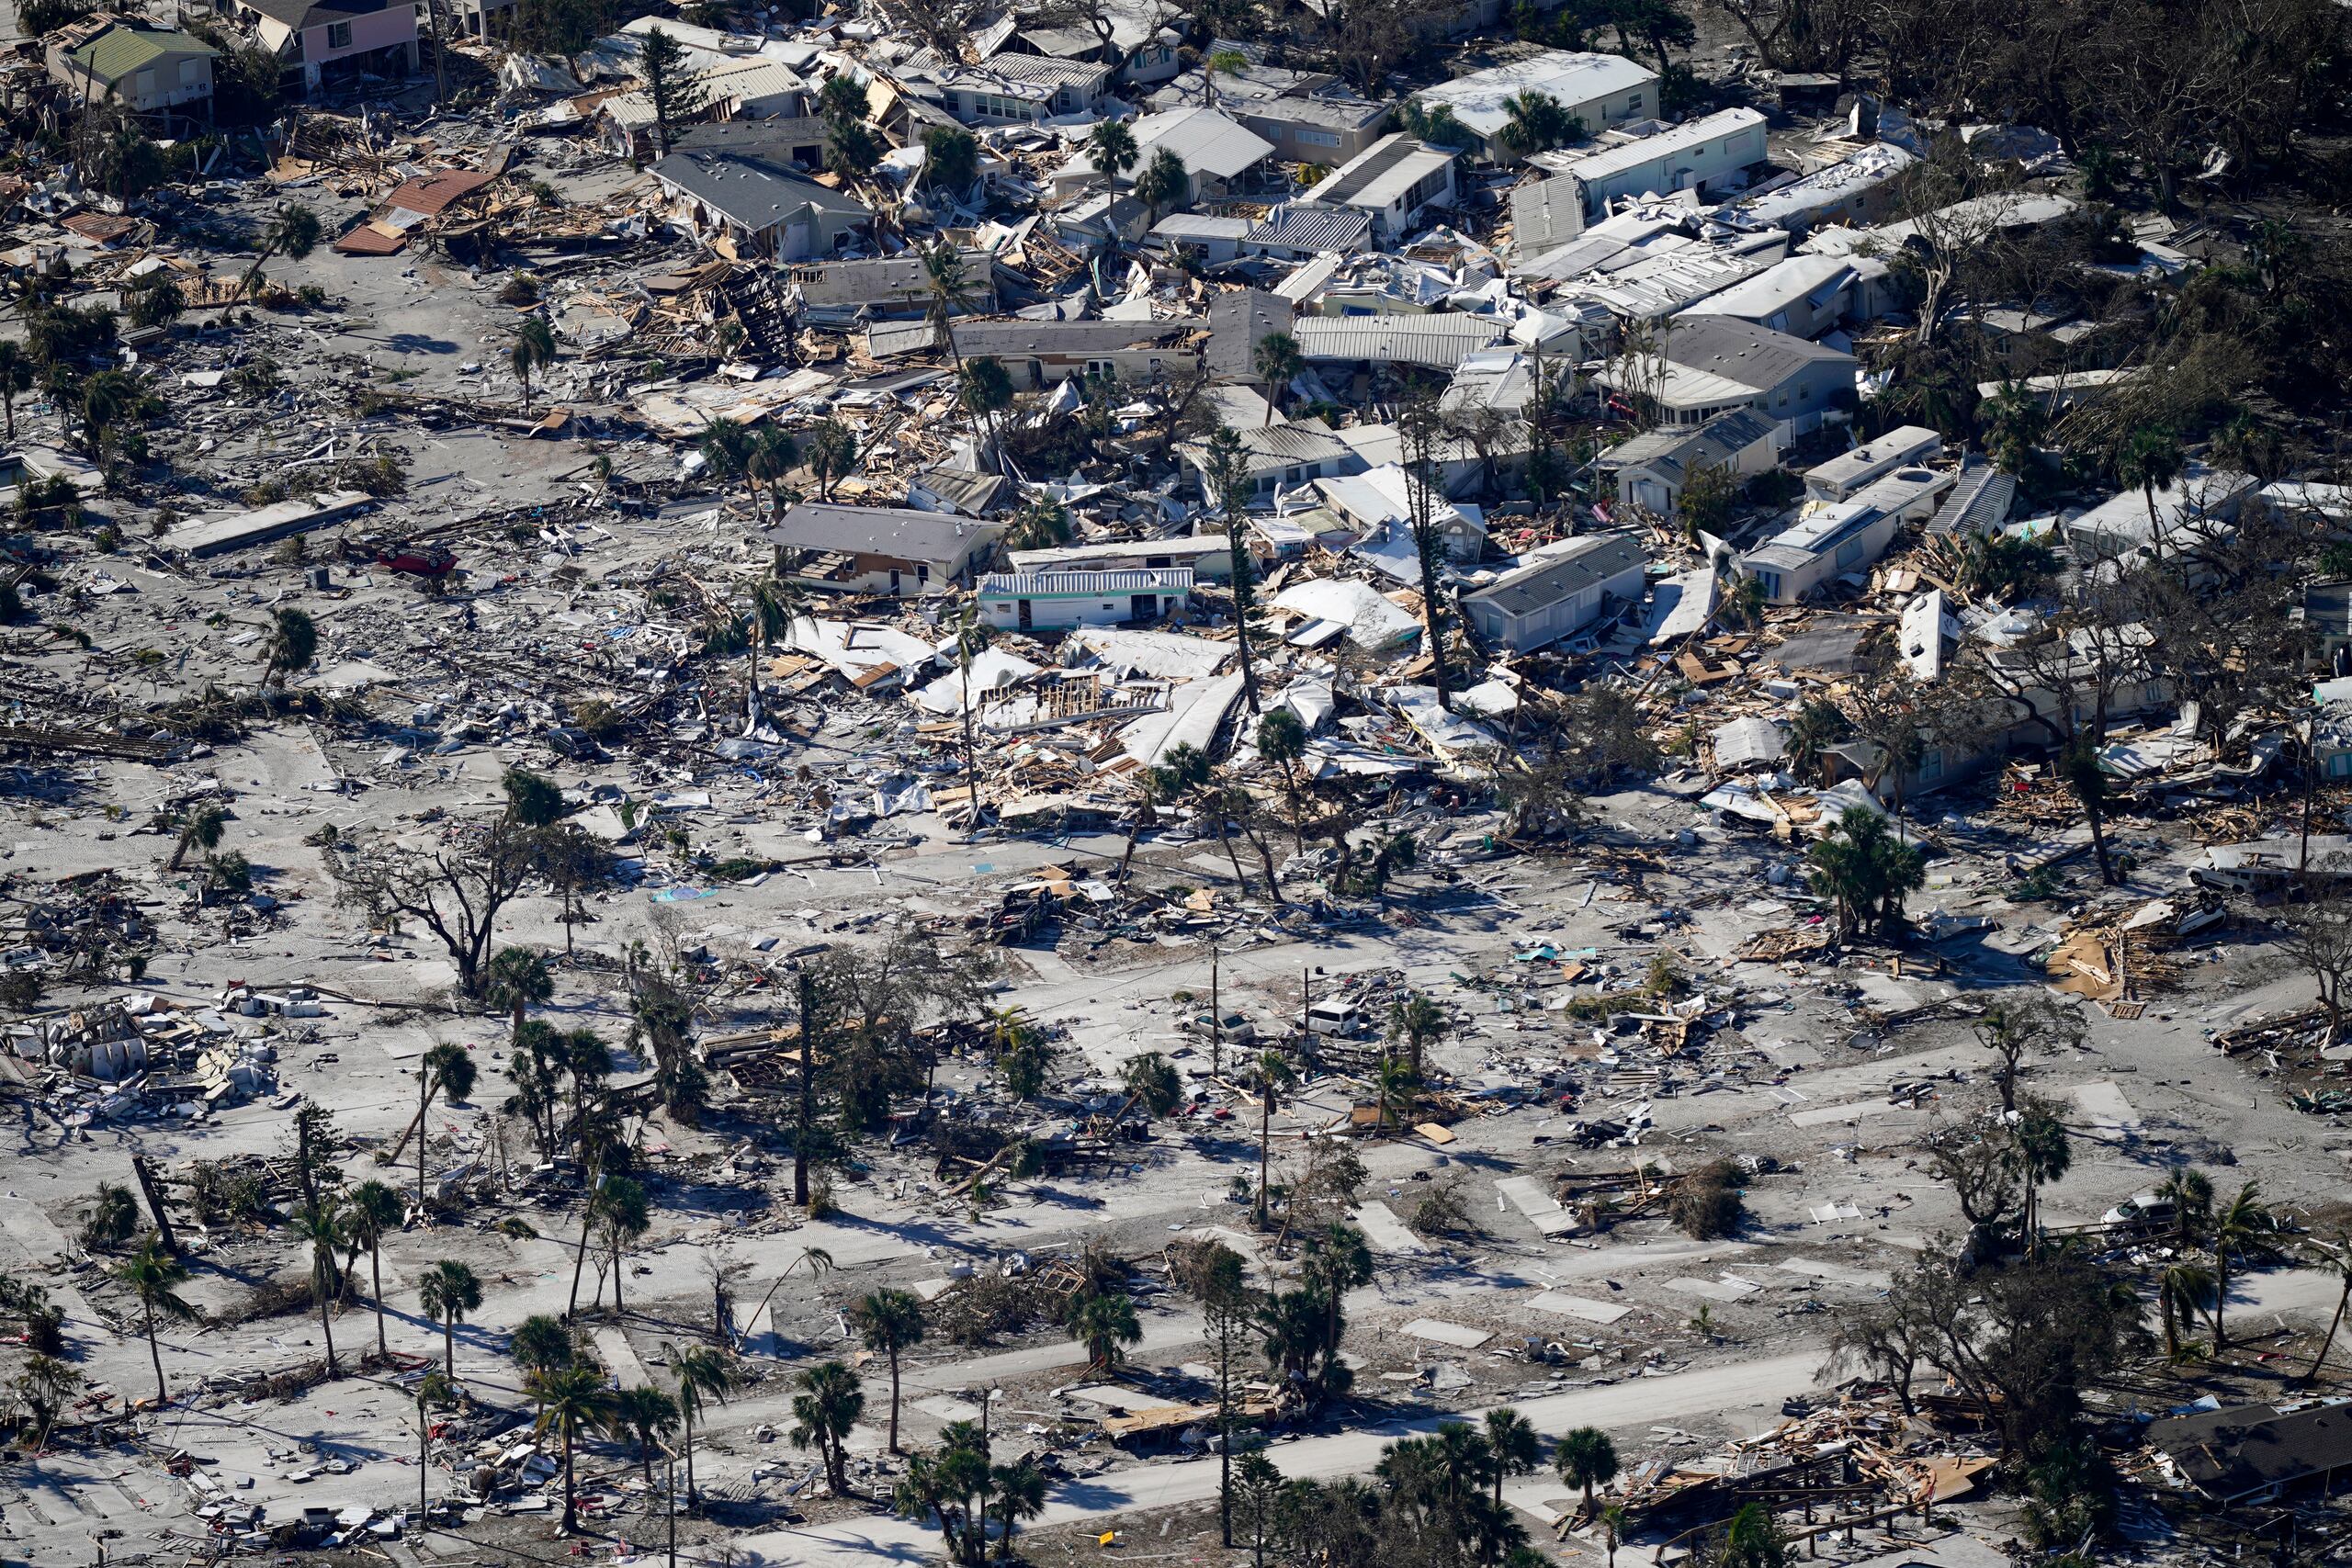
<point>320,44</point>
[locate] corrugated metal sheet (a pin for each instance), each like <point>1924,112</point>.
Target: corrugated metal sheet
<point>1438,341</point>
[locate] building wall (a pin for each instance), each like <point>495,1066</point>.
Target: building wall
<point>1679,168</point>
<point>1061,611</point>
<point>1787,586</point>
<point>1032,372</point>
<point>1296,143</point>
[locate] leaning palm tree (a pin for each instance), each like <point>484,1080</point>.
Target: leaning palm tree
<point>703,1373</point>
<point>573,1403</point>
<point>2333,1256</point>
<point>450,1291</point>
<point>726,449</point>
<point>322,1228</point>
<point>2184,1289</point>
<point>295,231</point>
<point>201,830</point>
<point>947,289</point>
<point>148,1274</point>
<point>2235,1227</point>
<point>1105,1322</point>
<point>293,643</point>
<point>890,1321</point>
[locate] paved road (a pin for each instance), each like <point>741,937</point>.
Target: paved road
<point>1635,1403</point>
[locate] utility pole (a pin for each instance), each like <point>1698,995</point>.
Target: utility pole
<point>670,1497</point>
<point>1217,1021</point>
<point>808,1091</point>
<point>146,1175</point>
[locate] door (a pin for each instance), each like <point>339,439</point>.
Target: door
<point>894,580</point>
<point>1026,617</point>
<point>1143,607</point>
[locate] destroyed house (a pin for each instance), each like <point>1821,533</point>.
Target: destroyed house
<point>747,198</point>
<point>883,549</point>
<point>323,43</point>
<point>2248,1452</point>
<point>1855,191</point>
<point>839,291</point>
<point>1033,600</point>
<point>1013,89</point>
<point>1045,353</point>
<point>1805,296</point>
<point>1396,180</point>
<point>1557,595</point>
<point>2198,507</point>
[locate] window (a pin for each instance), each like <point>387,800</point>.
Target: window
<point>1306,137</point>
<point>1633,104</point>
<point>191,73</point>
<point>1849,553</point>
<point>144,84</point>
<point>338,35</point>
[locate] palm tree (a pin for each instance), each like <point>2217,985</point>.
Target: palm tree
<point>2043,1156</point>
<point>149,1275</point>
<point>293,643</point>
<point>949,291</point>
<point>827,1407</point>
<point>778,602</point>
<point>450,1291</point>
<point>773,456</point>
<point>539,1343</point>
<point>432,1390</point>
<point>533,349</point>
<point>1281,740</point>
<point>2151,461</point>
<point>1278,359</point>
<point>321,1228</point>
<point>447,1069</point>
<point>1513,1446</point>
<point>985,388</point>
<point>2184,1288</point>
<point>648,1415</point>
<point>294,232</point>
<point>1110,148</point>
<point>622,1215</point>
<point>1274,1076</point>
<point>1105,1322</point>
<point>517,979</point>
<point>832,452</point>
<point>201,830</point>
<point>1587,1458</point>
<point>1537,124</point>
<point>2190,1192</point>
<point>726,449</point>
<point>890,1321</point>
<point>703,1373</point>
<point>573,1403</point>
<point>1418,1022</point>
<point>371,1212</point>
<point>1163,183</point>
<point>2240,1222</point>
<point>1392,1085</point>
<point>16,375</point>
<point>2335,1257</point>
<point>971,640</point>
<point>1019,1495</point>
<point>1819,725</point>
<point>1223,62</point>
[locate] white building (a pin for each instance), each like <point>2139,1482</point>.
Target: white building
<point>1850,471</point>
<point>1702,154</point>
<point>1598,89</point>
<point>1031,601</point>
<point>1395,179</point>
<point>1832,539</point>
<point>1559,594</point>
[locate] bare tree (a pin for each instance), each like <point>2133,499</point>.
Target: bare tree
<point>454,889</point>
<point>2016,1023</point>
<point>2317,934</point>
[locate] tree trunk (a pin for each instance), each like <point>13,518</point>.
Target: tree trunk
<point>618,1310</point>
<point>2220,1298</point>
<point>326,1326</point>
<point>687,1410</point>
<point>449,1346</point>
<point>808,1093</point>
<point>579,1255</point>
<point>894,1401</point>
<point>423,1109</point>
<point>1265,1136</point>
<point>155,1352</point>
<point>2332,1325</point>
<point>571,1508</point>
<point>2098,842</point>
<point>376,1276</point>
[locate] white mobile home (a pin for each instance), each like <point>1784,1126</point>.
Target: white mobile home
<point>1849,472</point>
<point>1558,595</point>
<point>1702,154</point>
<point>1040,601</point>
